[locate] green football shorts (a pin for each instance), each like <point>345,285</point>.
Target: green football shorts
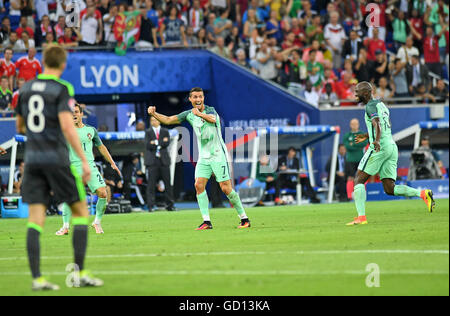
<point>206,169</point>
<point>383,162</point>
<point>96,182</point>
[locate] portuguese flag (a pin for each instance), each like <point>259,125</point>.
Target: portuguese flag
<point>126,30</point>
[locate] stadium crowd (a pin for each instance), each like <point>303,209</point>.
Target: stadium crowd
<point>318,49</point>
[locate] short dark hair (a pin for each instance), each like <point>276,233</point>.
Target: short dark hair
<point>8,48</point>
<point>292,148</point>
<point>195,89</point>
<point>78,105</point>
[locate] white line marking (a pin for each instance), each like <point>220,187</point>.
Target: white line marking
<point>243,272</point>
<point>240,253</point>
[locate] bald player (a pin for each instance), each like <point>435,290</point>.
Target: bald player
<point>381,157</point>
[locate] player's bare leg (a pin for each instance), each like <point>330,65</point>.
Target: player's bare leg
<point>235,200</point>
<point>35,226</point>
<point>102,195</point>
<point>80,215</point>
<point>402,190</point>
<point>360,198</point>
<point>66,215</point>
<point>203,202</point>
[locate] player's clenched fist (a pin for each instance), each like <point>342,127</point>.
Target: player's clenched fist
<point>195,111</point>
<point>151,110</point>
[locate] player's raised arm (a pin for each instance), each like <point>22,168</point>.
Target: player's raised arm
<point>211,118</point>
<point>166,120</point>
<point>377,136</point>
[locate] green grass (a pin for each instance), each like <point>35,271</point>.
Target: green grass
<point>291,250</point>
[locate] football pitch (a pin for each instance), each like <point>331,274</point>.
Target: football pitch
<point>288,250</point>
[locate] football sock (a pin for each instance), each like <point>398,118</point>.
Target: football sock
<point>34,249</point>
<point>236,201</point>
<point>79,240</point>
<point>66,214</point>
<point>203,204</point>
<point>360,199</point>
<point>403,190</point>
<point>100,210</point>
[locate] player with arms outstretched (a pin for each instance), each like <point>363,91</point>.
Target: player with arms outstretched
<point>381,157</point>
<point>44,113</point>
<point>88,136</point>
<point>213,154</point>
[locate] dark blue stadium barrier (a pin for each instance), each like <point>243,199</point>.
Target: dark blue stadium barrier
<point>439,187</point>
<point>375,192</point>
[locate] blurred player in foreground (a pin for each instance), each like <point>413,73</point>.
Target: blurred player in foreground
<point>88,136</point>
<point>212,154</point>
<point>381,157</point>
<point>44,113</point>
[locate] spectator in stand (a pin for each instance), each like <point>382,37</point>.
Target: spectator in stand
<point>262,12</point>
<point>222,24</point>
<point>108,22</point>
<point>28,66</point>
<point>5,94</point>
<point>415,23</point>
<point>49,39</point>
<point>7,67</point>
<point>374,44</point>
<point>220,48</point>
<point>264,64</point>
<point>201,37</point>
<point>399,79</point>
<point>241,58</point>
<point>294,71</point>
<point>26,8</point>
<point>91,25</point>
<point>421,93</point>
<point>399,26</point>
<point>354,153</point>
<point>300,37</point>
<point>335,37</point>
<point>356,27</point>
<point>416,74</point>
<point>348,67</point>
<point>172,30</point>
<point>152,14</point>
<point>381,19</point>
<point>23,26</point>
<point>250,25</point>
<point>431,50</point>
<point>310,94</point>
<point>147,37</point>
<point>5,31</point>
<point>314,46</point>
<point>438,18</point>
<point>379,67</point>
<point>69,39</point>
<point>43,29</point>
<point>104,7</point>
<point>191,38</point>
<point>59,27</point>
<point>405,52</point>
<point>314,31</point>
<point>361,67</point>
<point>210,33</point>
<point>15,97</point>
<point>315,70</point>
<point>12,41</point>
<point>440,92</point>
<point>273,28</point>
<point>383,91</point>
<point>234,41</point>
<point>25,42</point>
<point>352,46</point>
<point>328,98</point>
<point>196,16</point>
<point>345,88</point>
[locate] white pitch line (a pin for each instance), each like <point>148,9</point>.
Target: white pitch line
<point>242,272</point>
<point>240,253</point>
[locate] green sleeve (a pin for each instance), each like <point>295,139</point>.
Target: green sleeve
<point>345,140</point>
<point>183,115</point>
<point>96,139</point>
<point>372,110</point>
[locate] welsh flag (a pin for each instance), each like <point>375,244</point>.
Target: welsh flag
<point>126,30</point>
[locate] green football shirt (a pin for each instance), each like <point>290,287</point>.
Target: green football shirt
<point>376,108</point>
<point>209,136</point>
<point>88,138</point>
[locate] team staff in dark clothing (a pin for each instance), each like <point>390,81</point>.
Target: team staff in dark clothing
<point>157,161</point>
